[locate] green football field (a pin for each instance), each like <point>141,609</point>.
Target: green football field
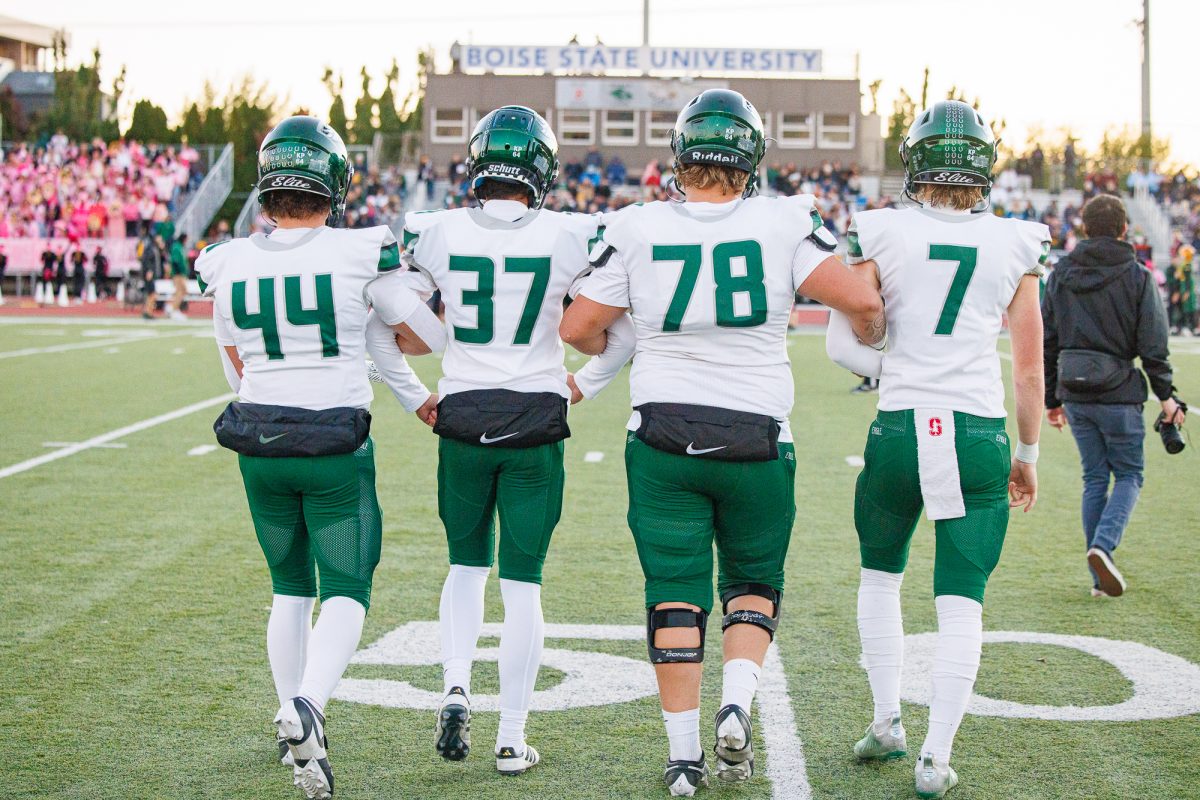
<point>134,600</point>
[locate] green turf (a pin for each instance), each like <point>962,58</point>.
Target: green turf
<point>134,601</point>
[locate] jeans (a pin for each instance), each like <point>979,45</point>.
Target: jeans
<point>1110,440</point>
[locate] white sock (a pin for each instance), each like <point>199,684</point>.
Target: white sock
<point>288,629</point>
<point>955,664</point>
<point>740,682</point>
<point>683,731</point>
<point>334,640</point>
<point>520,657</point>
<point>881,630</point>
<point>461,618</point>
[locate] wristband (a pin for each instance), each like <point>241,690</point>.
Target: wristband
<point>1026,453</point>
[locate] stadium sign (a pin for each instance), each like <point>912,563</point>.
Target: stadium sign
<point>611,93</point>
<point>603,58</point>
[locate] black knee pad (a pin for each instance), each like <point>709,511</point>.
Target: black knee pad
<point>747,617</point>
<point>659,618</point>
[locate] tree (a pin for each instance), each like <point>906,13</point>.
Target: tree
<point>904,111</point>
<point>192,126</point>
<point>337,109</point>
<point>390,121</point>
<point>149,123</point>
<point>79,108</point>
<point>364,112</point>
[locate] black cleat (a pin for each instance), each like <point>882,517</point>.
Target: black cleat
<point>684,777</point>
<point>454,726</point>
<point>735,748</point>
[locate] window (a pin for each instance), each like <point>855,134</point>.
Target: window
<point>836,131</point>
<point>795,129</point>
<point>658,127</point>
<point>619,127</point>
<point>450,125</point>
<point>576,126</point>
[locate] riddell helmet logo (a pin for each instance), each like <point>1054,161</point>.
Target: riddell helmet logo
<point>290,182</point>
<point>952,177</point>
<point>714,156</point>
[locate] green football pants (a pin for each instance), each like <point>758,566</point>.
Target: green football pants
<point>680,505</point>
<point>523,485</point>
<point>888,502</point>
<point>317,513</point>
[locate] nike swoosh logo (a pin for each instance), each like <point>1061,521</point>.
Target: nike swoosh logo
<point>692,451</point>
<point>483,437</point>
<point>268,439</point>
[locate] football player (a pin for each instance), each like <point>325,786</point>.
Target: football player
<point>709,456</point>
<point>289,312</point>
<point>949,273</point>
<point>503,271</point>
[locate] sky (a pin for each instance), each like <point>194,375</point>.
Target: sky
<point>1038,64</point>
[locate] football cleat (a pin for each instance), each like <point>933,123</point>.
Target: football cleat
<point>683,777</point>
<point>1112,583</point>
<point>373,373</point>
<point>285,753</point>
<point>454,726</point>
<point>886,746</point>
<point>303,728</point>
<point>509,762</point>
<point>735,750</point>
<point>933,779</point>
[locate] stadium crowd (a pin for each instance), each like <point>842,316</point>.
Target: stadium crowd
<point>92,189</point>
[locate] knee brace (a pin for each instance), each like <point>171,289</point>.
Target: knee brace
<point>657,619</point>
<point>746,616</point>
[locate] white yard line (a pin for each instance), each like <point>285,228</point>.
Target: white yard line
<point>119,433</point>
<point>60,348</point>
<point>786,766</point>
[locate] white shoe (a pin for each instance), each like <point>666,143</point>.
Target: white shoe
<point>303,728</point>
<point>510,762</point>
<point>735,747</point>
<point>934,779</point>
<point>285,753</point>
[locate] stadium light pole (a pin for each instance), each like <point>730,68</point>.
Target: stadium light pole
<point>1146,129</point>
<point>646,23</point>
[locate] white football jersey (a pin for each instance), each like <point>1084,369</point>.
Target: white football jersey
<point>947,279</point>
<point>295,305</point>
<point>503,272</point>
<point>710,287</point>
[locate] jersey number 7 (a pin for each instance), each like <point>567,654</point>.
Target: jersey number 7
<point>727,284</point>
<point>966,258</point>
<point>323,315</point>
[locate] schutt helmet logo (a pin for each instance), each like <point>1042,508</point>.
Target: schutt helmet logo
<point>952,177</point>
<point>290,182</point>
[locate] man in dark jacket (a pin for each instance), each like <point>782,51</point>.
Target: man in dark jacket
<point>1100,311</point>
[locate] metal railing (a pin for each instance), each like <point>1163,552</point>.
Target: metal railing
<point>1147,214</point>
<point>208,199</point>
<point>245,218</point>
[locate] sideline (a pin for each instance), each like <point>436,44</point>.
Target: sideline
<point>119,433</point>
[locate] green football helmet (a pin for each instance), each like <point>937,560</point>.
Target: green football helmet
<point>304,154</point>
<point>514,144</point>
<point>949,144</point>
<point>720,126</point>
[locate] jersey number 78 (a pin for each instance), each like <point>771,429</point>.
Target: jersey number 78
<point>727,284</point>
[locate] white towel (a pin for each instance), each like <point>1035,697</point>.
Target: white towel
<point>937,464</point>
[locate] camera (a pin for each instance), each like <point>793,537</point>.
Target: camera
<point>1172,439</point>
